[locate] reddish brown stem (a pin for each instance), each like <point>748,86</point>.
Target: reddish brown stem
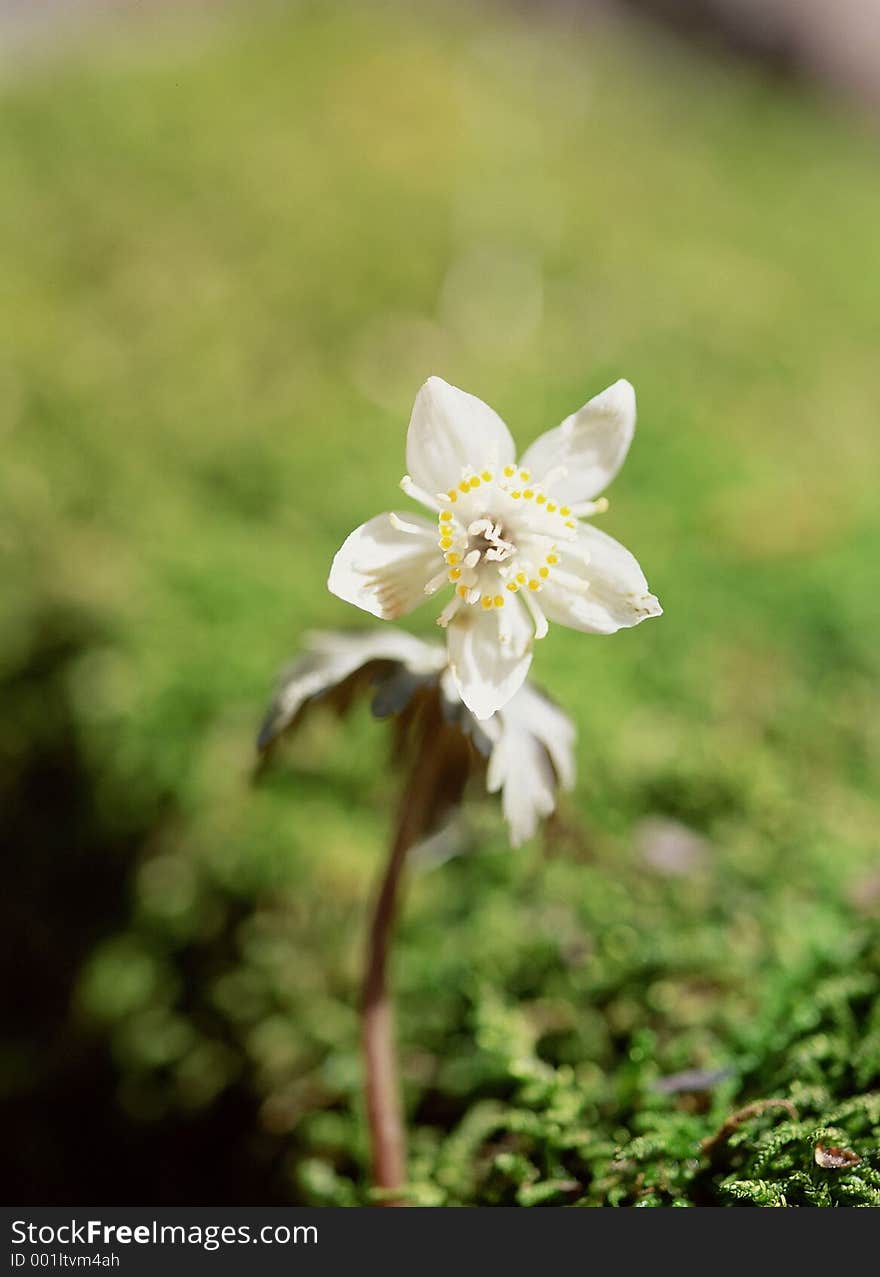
<point>381,1084</point>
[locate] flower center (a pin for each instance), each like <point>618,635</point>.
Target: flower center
<point>499,533</point>
<point>487,537</point>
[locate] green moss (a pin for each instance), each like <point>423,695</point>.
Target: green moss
<point>229,260</point>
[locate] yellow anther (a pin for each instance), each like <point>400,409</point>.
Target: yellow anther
<point>525,475</point>
<point>486,476</point>
<point>521,578</point>
<point>475,480</point>
<point>452,494</point>
<point>454,574</point>
<point>544,572</point>
<point>534,585</point>
<point>486,601</point>
<point>552,559</point>
<point>445,543</point>
<point>540,498</point>
<point>463,486</point>
<point>498,600</point>
<point>512,586</point>
<point>463,591</point>
<point>528,494</point>
<point>445,516</point>
<point>570,523</point>
<point>453,558</point>
<point>510,471</point>
<point>564,510</point>
<point>516,495</point>
<point>551,506</point>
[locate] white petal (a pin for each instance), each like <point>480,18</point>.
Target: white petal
<point>617,597</point>
<point>487,672</point>
<point>329,658</point>
<point>531,711</point>
<point>450,429</point>
<point>590,445</point>
<point>348,650</point>
<point>532,756</point>
<point>520,767</point>
<point>383,569</point>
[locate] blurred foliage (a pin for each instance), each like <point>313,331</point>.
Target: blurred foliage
<point>231,251</point>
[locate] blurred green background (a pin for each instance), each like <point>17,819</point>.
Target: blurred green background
<point>231,249</point>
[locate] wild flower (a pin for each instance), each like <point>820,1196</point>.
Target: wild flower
<point>508,536</point>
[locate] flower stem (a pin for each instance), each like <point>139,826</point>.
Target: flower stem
<point>381,1083</point>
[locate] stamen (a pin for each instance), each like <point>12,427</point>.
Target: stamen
<point>540,620</point>
<point>400,525</point>
<point>413,490</point>
<point>449,612</point>
<point>586,508</point>
<point>505,617</point>
<point>436,581</point>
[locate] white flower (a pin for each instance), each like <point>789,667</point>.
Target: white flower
<point>508,537</point>
<point>529,743</point>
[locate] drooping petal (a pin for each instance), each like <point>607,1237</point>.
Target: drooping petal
<point>450,429</point>
<point>384,569</point>
<point>532,757</point>
<point>617,595</point>
<point>488,672</point>
<point>590,445</point>
<point>530,710</point>
<point>520,767</point>
<point>331,657</point>
<point>346,650</point>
